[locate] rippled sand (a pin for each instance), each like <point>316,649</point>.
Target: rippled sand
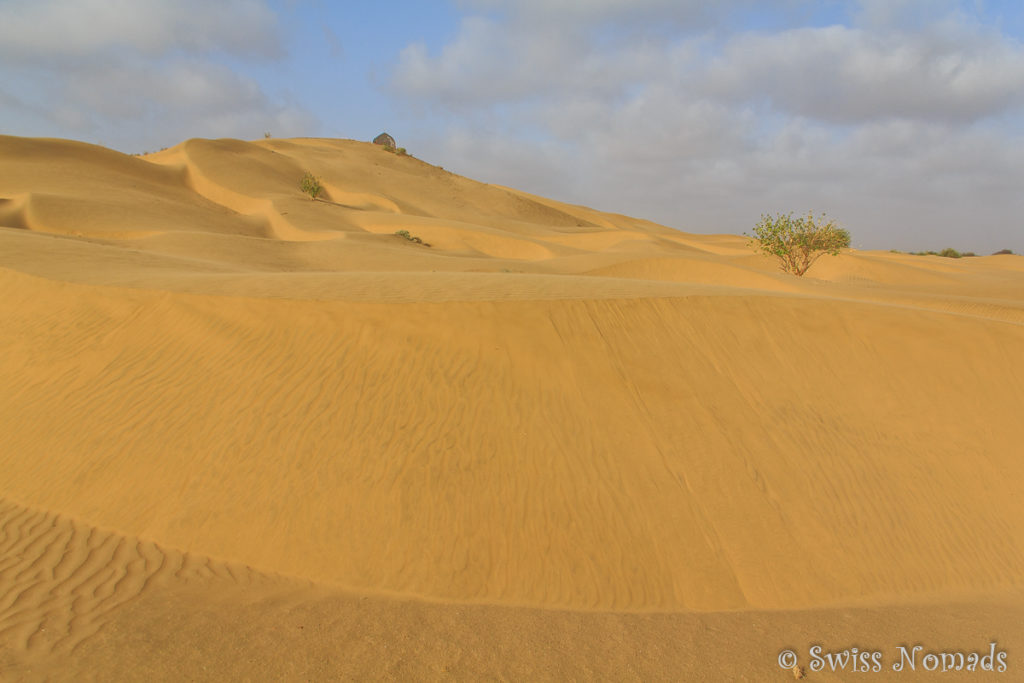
<point>247,434</point>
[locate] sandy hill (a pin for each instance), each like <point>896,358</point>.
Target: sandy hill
<point>250,434</point>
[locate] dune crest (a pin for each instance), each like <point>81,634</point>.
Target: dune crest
<point>61,580</point>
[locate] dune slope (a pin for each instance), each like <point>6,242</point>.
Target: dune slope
<point>543,410</point>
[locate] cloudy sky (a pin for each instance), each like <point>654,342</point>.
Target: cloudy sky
<point>903,119</point>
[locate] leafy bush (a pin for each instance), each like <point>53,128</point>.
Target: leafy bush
<point>798,242</point>
<point>1002,252</point>
<point>401,151</point>
<point>950,252</point>
<point>404,234</point>
<point>310,184</point>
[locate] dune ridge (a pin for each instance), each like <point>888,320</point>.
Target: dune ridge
<point>548,411</point>
<point>62,580</point>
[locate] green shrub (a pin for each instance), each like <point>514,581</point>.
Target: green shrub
<point>798,242</point>
<point>404,234</point>
<point>310,184</point>
<point>950,252</point>
<point>1002,252</point>
<point>401,151</point>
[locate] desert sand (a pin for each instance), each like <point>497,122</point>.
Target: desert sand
<point>251,435</point>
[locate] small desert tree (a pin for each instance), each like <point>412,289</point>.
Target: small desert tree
<point>798,242</point>
<point>310,184</point>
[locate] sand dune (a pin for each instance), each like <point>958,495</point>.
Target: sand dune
<point>62,580</point>
<point>80,603</point>
<point>227,406</point>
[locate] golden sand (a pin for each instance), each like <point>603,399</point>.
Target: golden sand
<point>247,434</point>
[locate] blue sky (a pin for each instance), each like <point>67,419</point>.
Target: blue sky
<point>900,118</point>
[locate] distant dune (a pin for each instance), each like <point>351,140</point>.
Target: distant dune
<point>248,434</point>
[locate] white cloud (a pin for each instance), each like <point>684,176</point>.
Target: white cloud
<point>901,14</point>
<point>690,13</point>
<point>884,122</point>
<point>487,63</point>
<point>846,75</point>
<point>188,86</point>
<point>56,29</point>
<point>129,73</point>
<point>181,99</point>
<point>506,161</point>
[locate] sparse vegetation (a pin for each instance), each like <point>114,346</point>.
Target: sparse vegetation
<point>404,234</point>
<point>1002,252</point>
<point>400,151</point>
<point>948,252</point>
<point>310,184</point>
<point>798,242</point>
